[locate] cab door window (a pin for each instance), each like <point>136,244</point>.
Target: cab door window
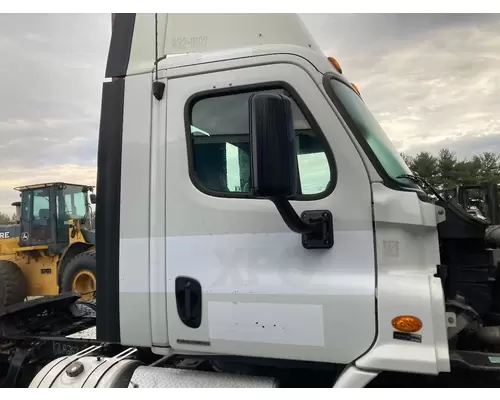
<point>41,207</point>
<point>41,222</point>
<point>219,143</point>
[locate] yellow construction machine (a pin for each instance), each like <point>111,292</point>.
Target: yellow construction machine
<point>51,247</point>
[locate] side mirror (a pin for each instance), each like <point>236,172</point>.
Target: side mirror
<point>273,144</point>
<point>93,198</point>
<point>274,167</point>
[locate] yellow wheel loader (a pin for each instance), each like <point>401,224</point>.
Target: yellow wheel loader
<point>51,247</point>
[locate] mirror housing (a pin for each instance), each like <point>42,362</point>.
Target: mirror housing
<point>274,167</point>
<point>93,198</point>
<point>272,140</point>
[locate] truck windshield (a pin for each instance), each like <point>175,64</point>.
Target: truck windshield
<point>366,128</point>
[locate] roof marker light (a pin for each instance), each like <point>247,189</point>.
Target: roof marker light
<point>336,64</point>
<point>356,89</point>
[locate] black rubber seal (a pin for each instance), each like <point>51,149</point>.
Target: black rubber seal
<point>120,45</point>
<point>109,159</point>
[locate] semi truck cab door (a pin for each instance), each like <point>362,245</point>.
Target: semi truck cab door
<point>238,280</point>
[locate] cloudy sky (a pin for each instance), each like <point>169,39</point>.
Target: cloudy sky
<point>431,80</point>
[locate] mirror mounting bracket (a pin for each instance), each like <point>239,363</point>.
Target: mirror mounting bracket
<point>316,226</point>
<point>322,235</point>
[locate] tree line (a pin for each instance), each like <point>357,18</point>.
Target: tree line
<point>446,171</point>
<point>6,219</point>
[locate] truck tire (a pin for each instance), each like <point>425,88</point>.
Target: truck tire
<point>13,285</point>
<point>79,275</point>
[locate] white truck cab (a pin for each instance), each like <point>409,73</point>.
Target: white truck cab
<point>263,212</point>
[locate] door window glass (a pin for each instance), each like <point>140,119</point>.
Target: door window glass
<point>219,131</point>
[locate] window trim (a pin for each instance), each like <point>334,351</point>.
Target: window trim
<point>387,180</point>
<point>232,90</point>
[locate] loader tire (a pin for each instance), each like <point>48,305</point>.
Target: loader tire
<point>13,285</point>
<point>80,274</point>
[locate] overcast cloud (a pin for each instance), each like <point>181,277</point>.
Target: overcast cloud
<point>431,80</point>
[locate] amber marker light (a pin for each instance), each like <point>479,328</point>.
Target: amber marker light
<point>407,323</point>
<point>356,89</point>
<point>336,64</point>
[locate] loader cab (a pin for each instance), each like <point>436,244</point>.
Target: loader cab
<point>46,211</point>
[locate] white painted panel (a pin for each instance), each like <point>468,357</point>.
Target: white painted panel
<point>406,285</point>
<point>267,323</point>
<point>240,250</point>
<point>135,327</point>
<point>157,212</point>
<point>179,34</point>
<point>274,263</point>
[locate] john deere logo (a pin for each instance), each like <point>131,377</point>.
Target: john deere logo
<point>24,236</point>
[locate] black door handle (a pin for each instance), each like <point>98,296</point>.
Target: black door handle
<point>188,298</point>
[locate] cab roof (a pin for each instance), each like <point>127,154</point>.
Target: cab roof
<point>140,41</point>
<point>49,184</point>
